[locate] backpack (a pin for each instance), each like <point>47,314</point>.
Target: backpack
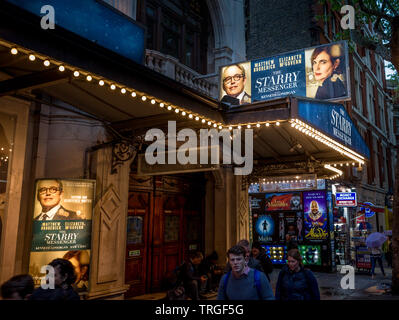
<point>256,280</point>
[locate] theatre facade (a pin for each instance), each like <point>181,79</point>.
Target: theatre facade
<point>74,114</point>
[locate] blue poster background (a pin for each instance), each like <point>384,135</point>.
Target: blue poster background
<point>264,228</point>
<point>278,76</point>
<point>316,223</point>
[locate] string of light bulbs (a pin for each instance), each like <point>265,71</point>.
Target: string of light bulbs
<point>113,86</point>
<point>315,134</point>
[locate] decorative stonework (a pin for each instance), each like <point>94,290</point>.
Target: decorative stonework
<point>109,229</point>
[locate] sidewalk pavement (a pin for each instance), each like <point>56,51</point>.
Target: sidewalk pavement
<point>366,288</point>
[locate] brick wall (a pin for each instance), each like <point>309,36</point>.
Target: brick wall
<point>278,26</point>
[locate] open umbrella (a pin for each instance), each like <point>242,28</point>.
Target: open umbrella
<point>375,240</point>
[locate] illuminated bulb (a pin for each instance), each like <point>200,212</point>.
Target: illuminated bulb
<point>76,73</point>
<point>230,128</point>
<point>267,124</point>
<point>153,101</point>
<point>144,98</point>
<point>177,110</point>
<point>14,51</point>
<point>123,91</point>
<point>347,164</point>
<point>133,94</point>
<point>169,107</point>
<point>239,127</point>
<point>341,164</point>
<point>258,125</point>
<point>46,63</point>
<point>183,113</point>
<point>249,126</point>
<point>196,118</point>
<point>353,164</point>
<point>32,57</point>
<point>61,68</point>
<point>190,116</point>
<point>209,123</point>
<point>113,87</point>
<point>101,82</point>
<point>215,125</point>
<point>293,124</point>
<point>220,127</point>
<point>89,78</point>
<point>203,120</point>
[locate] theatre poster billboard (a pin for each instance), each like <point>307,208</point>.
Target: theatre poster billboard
<point>62,218</point>
<point>315,215</point>
<point>320,72</point>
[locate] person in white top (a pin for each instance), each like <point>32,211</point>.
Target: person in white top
<point>376,256</point>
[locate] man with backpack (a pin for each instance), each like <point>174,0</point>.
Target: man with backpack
<point>242,282</point>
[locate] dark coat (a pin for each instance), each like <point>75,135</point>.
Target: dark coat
<point>63,214</point>
<point>331,89</point>
<point>58,294</point>
<point>301,285</point>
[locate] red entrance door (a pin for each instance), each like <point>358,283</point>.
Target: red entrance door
<point>164,225</point>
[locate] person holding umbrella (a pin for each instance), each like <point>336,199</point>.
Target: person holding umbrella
<point>374,242</point>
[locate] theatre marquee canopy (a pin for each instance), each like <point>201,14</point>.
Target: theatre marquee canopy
<point>301,136</point>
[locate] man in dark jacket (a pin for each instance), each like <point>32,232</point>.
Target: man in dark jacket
<point>191,276</point>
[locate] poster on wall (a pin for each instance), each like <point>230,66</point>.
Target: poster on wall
<point>320,72</point>
<point>257,203</point>
<point>265,228</point>
<point>315,215</point>
<point>290,226</point>
<point>62,217</point>
<point>283,201</point>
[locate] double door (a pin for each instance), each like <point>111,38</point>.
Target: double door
<point>165,224</point>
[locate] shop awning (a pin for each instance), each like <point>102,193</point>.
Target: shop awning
<point>301,136</point>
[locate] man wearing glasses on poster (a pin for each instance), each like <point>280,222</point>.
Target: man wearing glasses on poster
<point>49,194</point>
<point>234,80</point>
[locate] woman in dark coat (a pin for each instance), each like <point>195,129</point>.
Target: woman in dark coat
<point>296,283</point>
<point>64,277</point>
<point>326,62</point>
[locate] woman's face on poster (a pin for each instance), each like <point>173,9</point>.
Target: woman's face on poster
<point>323,66</point>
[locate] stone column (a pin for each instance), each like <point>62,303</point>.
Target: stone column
<point>242,205</point>
<point>107,274</point>
<point>230,217</point>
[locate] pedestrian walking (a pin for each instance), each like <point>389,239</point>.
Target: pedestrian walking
<point>295,282</point>
<point>259,253</point>
<point>376,256</point>
<point>64,277</point>
<point>19,287</point>
<point>251,261</point>
<point>243,282</point>
<point>388,254</point>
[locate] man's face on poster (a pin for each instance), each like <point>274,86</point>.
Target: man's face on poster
<point>49,194</point>
<point>233,81</point>
<point>314,207</point>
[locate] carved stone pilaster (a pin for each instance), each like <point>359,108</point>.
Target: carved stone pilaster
<point>107,274</point>
<point>242,208</point>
